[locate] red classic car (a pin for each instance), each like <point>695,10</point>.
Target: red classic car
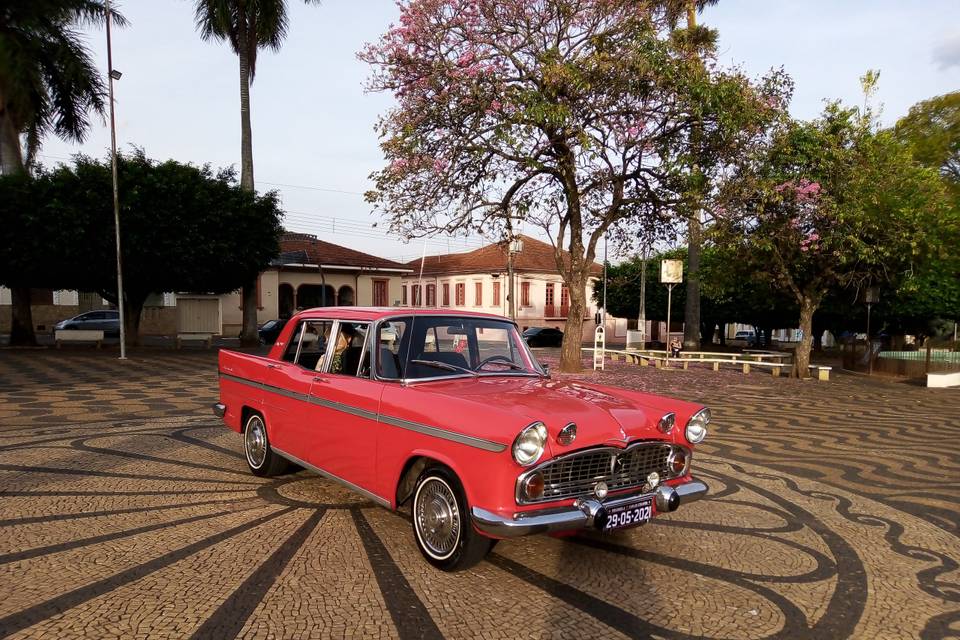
<point>451,412</point>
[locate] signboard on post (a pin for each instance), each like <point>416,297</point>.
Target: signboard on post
<point>671,271</point>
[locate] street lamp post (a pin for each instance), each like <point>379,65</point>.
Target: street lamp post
<point>871,296</point>
<point>111,76</point>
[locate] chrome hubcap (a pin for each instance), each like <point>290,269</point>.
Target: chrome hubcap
<point>255,442</point>
<point>437,518</point>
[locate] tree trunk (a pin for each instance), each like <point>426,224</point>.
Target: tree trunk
<point>801,361</point>
<point>691,310</point>
<point>132,310</point>
<point>571,356</point>
<point>11,163</point>
<point>248,333</point>
<point>21,327</point>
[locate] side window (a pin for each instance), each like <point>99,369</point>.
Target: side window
<point>388,348</point>
<point>309,344</point>
<point>496,343</point>
<point>351,356</point>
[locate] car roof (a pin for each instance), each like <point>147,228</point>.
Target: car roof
<point>378,313</point>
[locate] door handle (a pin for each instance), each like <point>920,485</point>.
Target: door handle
<point>320,380</point>
<point>273,366</point>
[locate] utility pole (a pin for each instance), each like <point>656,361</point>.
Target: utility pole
<point>642,319</point>
<point>603,321</point>
<point>510,285</point>
<point>111,76</point>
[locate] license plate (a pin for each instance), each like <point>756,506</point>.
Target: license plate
<point>631,514</point>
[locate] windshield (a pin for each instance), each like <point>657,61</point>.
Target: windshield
<point>449,346</point>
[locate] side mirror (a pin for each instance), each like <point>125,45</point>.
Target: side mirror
<point>546,368</point>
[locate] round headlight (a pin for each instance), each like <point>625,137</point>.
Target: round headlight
<point>696,429</point>
<point>528,445</point>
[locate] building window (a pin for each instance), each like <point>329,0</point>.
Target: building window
<point>549,298</point>
<point>417,301</point>
<point>446,294</point>
<point>403,295</point>
<point>478,294</point>
<point>496,294</point>
<point>431,295</point>
<point>461,294</point>
<point>564,297</point>
<point>525,294</point>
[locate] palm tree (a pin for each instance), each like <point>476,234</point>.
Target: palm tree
<point>696,38</point>
<point>248,25</point>
<point>48,84</point>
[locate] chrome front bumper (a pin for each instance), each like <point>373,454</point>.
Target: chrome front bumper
<point>583,514</point>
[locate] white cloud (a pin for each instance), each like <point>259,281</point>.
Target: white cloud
<point>947,53</point>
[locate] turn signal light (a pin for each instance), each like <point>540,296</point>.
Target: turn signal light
<point>533,486</point>
<point>678,461</point>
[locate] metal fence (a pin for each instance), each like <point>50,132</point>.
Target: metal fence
<point>880,358</point>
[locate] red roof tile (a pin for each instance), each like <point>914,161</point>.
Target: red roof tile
<point>536,256</point>
<point>328,254</point>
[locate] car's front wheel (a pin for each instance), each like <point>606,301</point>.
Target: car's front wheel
<point>261,459</point>
<point>441,522</point>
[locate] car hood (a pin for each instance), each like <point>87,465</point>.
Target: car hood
<point>496,408</point>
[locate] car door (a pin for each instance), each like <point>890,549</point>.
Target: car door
<point>345,401</point>
<point>289,380</point>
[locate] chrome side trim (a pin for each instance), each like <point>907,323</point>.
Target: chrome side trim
<point>349,485</point>
<point>437,432</point>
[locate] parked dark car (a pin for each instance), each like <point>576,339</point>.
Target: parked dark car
<point>107,321</point>
<point>270,330</point>
<point>543,337</point>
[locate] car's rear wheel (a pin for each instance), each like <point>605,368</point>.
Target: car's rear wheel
<point>261,459</point>
<point>441,522</point>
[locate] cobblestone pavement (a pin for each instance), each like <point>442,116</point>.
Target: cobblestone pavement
<point>127,511</point>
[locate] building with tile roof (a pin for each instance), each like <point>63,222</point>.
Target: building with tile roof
<point>478,280</point>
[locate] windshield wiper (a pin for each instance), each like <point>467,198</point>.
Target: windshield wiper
<point>505,363</point>
<point>444,365</point>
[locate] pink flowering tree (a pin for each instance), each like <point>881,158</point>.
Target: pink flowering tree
<point>830,206</point>
<point>573,115</point>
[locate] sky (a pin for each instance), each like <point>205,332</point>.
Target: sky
<point>313,122</point>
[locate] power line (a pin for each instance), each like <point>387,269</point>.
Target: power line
<point>310,188</point>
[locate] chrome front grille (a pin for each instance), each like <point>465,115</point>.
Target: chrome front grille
<point>575,475</point>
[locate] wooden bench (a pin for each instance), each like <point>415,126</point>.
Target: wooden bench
<point>823,372</point>
<point>206,338</point>
<point>78,335</point>
<point>943,379</point>
<point>644,358</point>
